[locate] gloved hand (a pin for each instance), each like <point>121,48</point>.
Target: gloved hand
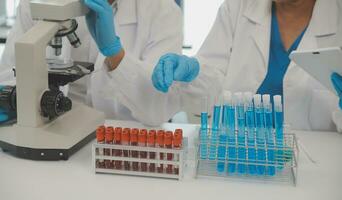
<point>172,67</point>
<point>100,22</point>
<point>337,82</point>
<point>3,115</point>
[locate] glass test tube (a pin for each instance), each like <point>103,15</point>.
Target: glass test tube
<point>177,144</point>
<point>268,115</point>
<point>117,152</point>
<point>260,135</point>
<point>160,144</point>
<point>125,141</point>
<point>204,129</point>
<point>134,142</point>
<point>152,155</point>
<point>215,129</point>
<point>223,139</point>
<point>109,140</point>
<point>100,137</point>
<point>168,144</point>
<point>143,154</point>
<point>240,112</point>
<point>279,123</point>
<point>250,124</point>
<point>231,132</point>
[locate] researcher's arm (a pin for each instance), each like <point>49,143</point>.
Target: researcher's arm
<point>22,24</point>
<point>337,115</point>
<point>131,78</point>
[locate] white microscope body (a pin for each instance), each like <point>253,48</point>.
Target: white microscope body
<point>35,136</point>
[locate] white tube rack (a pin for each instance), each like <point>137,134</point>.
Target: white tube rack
<point>286,167</point>
<point>177,153</point>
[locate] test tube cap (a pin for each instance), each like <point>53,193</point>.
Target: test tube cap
<point>151,137</point>
<point>277,100</point>
<point>125,134</point>
<point>109,134</point>
<point>142,136</point>
<point>168,138</point>
<point>117,133</point>
<point>257,100</point>
<point>248,97</point>
<point>100,134</point>
<point>177,139</point>
<point>228,97</point>
<point>134,135</point>
<point>266,98</point>
<point>160,137</point>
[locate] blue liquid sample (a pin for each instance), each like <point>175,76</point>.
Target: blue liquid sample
<point>250,123</point>
<point>231,140</point>
<point>221,152</point>
<point>260,139</point>
<point>270,141</point>
<point>279,120</point>
<point>214,132</point>
<point>241,139</point>
<point>204,136</point>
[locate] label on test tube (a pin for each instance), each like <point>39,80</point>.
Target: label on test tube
<point>160,144</point>
<point>143,154</point>
<point>134,142</point>
<point>125,141</point>
<point>151,139</point>
<point>168,144</point>
<point>177,144</point>
<point>109,140</point>
<point>100,137</point>
<point>117,152</point>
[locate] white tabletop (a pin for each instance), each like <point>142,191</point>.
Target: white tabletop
<point>75,179</point>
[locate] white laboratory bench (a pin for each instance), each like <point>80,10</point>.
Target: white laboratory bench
<point>75,179</point>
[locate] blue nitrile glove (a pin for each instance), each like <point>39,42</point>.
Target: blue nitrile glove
<point>3,115</point>
<point>100,22</point>
<point>172,67</point>
<point>337,82</point>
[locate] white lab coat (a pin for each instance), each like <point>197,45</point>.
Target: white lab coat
<point>147,28</point>
<point>234,57</point>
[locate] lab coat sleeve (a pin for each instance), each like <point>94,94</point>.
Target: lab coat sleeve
<point>22,24</point>
<point>131,80</point>
<point>337,117</point>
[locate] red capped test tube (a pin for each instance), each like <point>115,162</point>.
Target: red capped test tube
<point>134,142</point>
<point>168,144</point>
<point>177,144</point>
<point>151,139</point>
<point>142,154</point>
<point>160,144</point>
<point>109,140</point>
<point>117,152</point>
<point>125,141</point>
<point>100,137</point>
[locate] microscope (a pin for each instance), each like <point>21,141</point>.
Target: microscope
<point>49,126</point>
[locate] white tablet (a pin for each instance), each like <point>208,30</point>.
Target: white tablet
<point>320,63</point>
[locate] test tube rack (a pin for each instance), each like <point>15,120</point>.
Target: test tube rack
<point>178,154</point>
<point>284,166</point>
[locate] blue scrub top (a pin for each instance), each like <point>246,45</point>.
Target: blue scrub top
<point>278,60</point>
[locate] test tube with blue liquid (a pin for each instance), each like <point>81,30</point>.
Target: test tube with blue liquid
<point>223,139</point>
<point>250,126</point>
<point>240,111</point>
<point>279,129</point>
<point>260,135</point>
<point>268,115</point>
<point>229,105</point>
<point>215,126</point>
<point>204,129</point>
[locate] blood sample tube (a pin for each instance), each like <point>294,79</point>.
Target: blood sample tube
<point>168,144</point>
<point>143,154</point>
<point>177,144</point>
<point>109,140</point>
<point>151,139</point>
<point>117,152</point>
<point>134,142</point>
<point>125,141</point>
<point>160,144</point>
<point>100,137</point>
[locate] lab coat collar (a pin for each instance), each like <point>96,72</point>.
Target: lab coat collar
<point>257,11</point>
<point>127,12</point>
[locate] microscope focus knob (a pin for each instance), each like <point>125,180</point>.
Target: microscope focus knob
<point>54,104</point>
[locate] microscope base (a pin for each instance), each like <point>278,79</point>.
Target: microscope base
<point>57,140</point>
